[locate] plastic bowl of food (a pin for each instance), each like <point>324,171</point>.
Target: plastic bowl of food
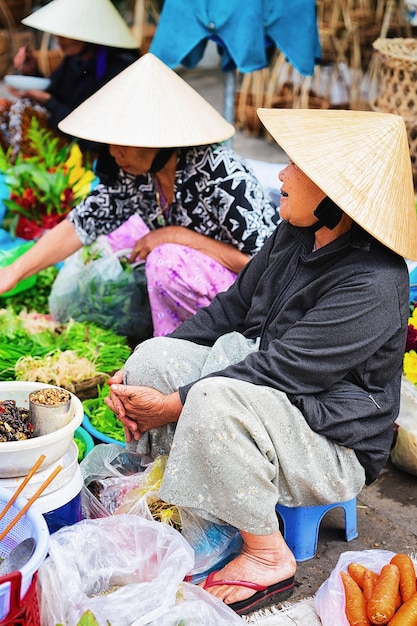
<point>23,83</point>
<point>18,457</point>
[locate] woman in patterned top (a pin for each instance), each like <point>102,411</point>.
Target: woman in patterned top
<point>204,213</point>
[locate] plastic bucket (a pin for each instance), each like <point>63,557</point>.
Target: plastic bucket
<point>63,507</point>
<point>31,524</point>
<point>60,503</point>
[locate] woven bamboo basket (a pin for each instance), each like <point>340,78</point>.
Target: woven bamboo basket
<point>396,77</point>
<point>251,95</point>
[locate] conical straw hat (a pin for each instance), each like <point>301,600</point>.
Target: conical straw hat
<point>93,21</point>
<point>361,160</point>
<point>147,105</point>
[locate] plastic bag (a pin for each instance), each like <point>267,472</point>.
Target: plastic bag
<point>213,543</point>
<point>125,570</point>
<point>107,490</point>
<point>109,472</point>
<point>103,290</point>
<point>330,597</point>
<point>404,452</point>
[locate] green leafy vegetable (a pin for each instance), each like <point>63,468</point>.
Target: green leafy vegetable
<point>81,447</point>
<point>102,418</point>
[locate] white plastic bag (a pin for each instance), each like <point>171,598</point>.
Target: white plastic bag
<point>126,570</point>
<point>109,472</point>
<point>102,290</point>
<point>330,597</point>
<point>404,452</point>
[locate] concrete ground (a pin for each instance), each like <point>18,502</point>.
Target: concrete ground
<point>387,509</point>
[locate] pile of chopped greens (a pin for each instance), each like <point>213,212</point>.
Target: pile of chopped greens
<point>32,334</point>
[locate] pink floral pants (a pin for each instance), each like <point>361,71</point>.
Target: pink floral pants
<point>180,281</point>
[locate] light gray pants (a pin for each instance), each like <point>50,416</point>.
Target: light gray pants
<point>238,448</point>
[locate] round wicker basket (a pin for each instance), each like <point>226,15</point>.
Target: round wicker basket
<point>396,76</point>
<point>397,86</point>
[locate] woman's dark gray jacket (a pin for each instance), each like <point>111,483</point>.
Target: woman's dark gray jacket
<point>333,326</point>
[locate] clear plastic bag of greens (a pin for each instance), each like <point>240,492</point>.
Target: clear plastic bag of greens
<point>100,286</point>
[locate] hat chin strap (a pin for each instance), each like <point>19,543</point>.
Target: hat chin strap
<point>161,159</point>
<point>328,214</point>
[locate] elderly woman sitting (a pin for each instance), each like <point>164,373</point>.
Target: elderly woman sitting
<point>286,387</point>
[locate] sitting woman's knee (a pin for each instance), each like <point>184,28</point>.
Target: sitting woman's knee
<point>146,358</point>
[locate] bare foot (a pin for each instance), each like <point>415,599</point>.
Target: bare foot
<point>265,559</point>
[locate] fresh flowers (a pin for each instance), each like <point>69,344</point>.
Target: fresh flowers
<point>410,356</point>
<point>46,186</point>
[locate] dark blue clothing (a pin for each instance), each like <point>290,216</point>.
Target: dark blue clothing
<point>75,80</point>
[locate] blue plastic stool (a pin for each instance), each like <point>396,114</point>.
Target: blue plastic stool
<point>302,523</point>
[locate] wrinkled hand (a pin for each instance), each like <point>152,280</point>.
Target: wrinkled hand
<point>142,408</point>
<point>167,234</point>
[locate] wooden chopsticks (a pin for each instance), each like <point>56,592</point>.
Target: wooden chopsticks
<point>22,485</point>
<point>31,500</point>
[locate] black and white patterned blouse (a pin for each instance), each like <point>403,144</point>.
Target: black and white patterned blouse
<point>215,194</point>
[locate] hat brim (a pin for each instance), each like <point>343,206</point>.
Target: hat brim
<point>92,21</point>
<point>361,160</point>
<point>147,105</point>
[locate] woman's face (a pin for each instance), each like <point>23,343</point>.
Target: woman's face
<point>70,47</point>
<point>133,160</point>
<point>299,196</point>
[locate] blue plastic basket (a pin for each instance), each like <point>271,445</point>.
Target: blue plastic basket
<point>31,524</point>
<point>97,435</point>
<point>83,435</point>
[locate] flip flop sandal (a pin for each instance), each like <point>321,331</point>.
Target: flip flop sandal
<point>263,597</point>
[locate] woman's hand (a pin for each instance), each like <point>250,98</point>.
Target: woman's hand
<point>167,234</point>
<point>34,94</point>
<point>225,253</point>
<point>25,61</point>
<point>142,408</point>
<point>8,278</point>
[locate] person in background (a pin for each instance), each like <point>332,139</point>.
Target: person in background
<point>286,387</point>
<point>202,211</point>
<point>96,45</point>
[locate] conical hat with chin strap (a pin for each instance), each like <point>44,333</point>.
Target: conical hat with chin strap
<point>361,160</point>
<point>92,21</point>
<point>147,105</point>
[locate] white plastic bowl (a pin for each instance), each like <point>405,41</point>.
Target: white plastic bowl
<point>22,83</point>
<point>18,457</point>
